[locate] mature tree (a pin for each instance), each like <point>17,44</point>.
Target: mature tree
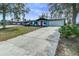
<point>19,10</point>
<point>25,10</point>
<point>4,9</point>
<point>69,10</point>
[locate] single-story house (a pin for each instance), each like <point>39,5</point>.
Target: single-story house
<point>50,22</point>
<point>42,22</point>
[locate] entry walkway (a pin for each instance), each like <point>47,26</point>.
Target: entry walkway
<point>41,42</point>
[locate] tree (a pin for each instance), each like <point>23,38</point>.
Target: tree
<point>44,15</point>
<point>25,10</point>
<point>12,8</point>
<point>69,10</point>
<point>4,9</point>
<point>17,8</point>
<point>20,9</point>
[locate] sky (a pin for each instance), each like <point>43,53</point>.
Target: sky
<point>36,9</point>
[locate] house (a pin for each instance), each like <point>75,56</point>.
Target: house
<point>56,22</point>
<point>50,22</point>
<point>41,22</point>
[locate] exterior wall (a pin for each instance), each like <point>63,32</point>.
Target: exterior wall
<point>39,23</point>
<point>42,23</point>
<point>56,23</point>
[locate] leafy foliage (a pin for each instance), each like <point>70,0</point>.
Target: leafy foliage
<point>68,10</point>
<point>68,31</point>
<point>16,9</point>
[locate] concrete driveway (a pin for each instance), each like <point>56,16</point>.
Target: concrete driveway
<point>41,42</point>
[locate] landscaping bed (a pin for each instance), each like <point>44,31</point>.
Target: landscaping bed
<point>11,32</point>
<point>69,43</point>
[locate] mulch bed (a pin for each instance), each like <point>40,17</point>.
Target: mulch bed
<point>67,48</point>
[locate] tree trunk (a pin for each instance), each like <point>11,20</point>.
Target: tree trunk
<point>4,14</point>
<point>74,13</point>
<point>23,17</point>
<point>4,21</point>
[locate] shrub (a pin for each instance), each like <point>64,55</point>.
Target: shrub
<point>69,31</point>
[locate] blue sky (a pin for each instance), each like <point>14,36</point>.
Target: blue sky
<point>36,10</point>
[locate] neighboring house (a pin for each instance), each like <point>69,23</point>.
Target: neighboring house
<point>41,22</point>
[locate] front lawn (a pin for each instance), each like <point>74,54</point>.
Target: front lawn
<point>11,32</point>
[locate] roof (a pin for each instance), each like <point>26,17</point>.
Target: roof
<point>50,19</point>
<point>55,19</point>
<point>41,19</point>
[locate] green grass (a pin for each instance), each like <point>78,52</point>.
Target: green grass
<point>11,32</point>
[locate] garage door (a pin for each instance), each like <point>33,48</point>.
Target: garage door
<point>56,23</point>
